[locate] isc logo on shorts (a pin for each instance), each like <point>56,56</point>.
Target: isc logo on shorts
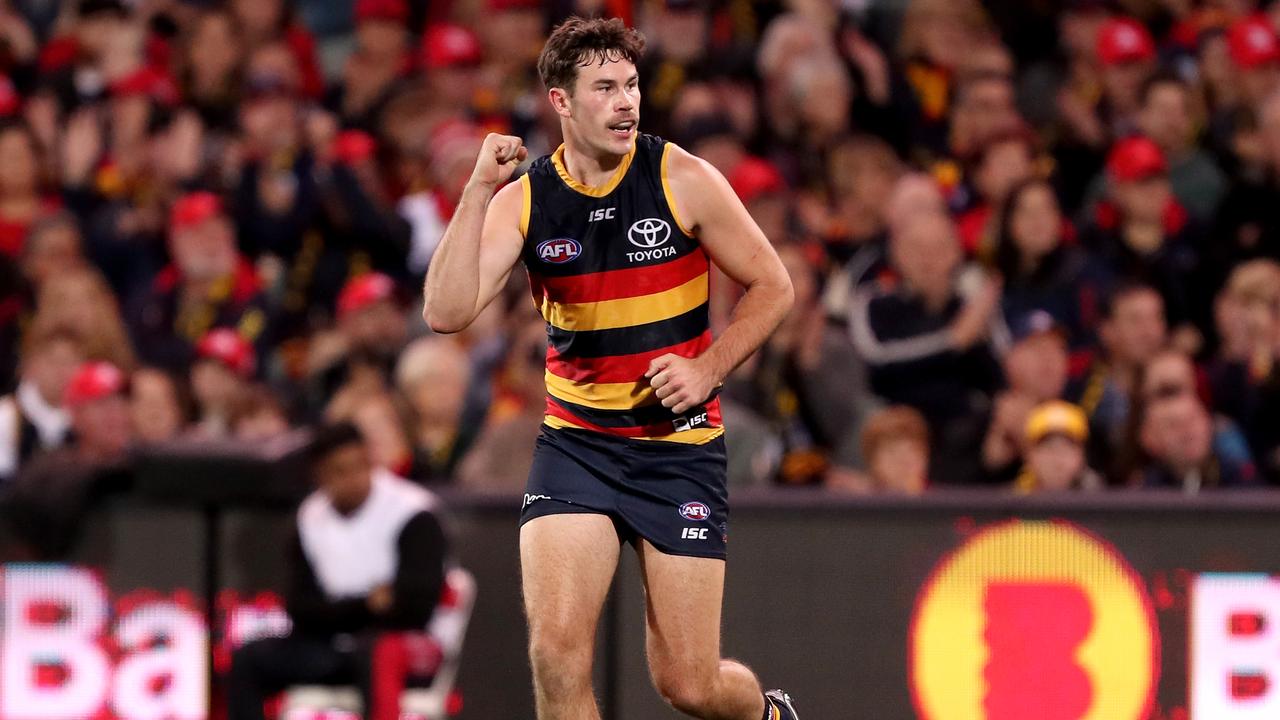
<point>559,250</point>
<point>695,511</point>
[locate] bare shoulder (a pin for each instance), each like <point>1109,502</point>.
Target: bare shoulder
<point>697,187</point>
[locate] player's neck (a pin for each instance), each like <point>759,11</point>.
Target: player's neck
<point>589,168</point>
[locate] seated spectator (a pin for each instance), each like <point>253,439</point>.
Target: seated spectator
<point>1247,225</point>
<point>33,418</point>
<point>1001,163</point>
<point>1244,376</point>
<point>208,285</point>
<point>1185,450</point>
<point>368,558</point>
<point>81,301</point>
<point>895,443</point>
<point>220,377</point>
<point>432,377</point>
<point>54,245</point>
<point>864,173</point>
<point>370,333</point>
<point>52,493</point>
<point>929,347</point>
<point>158,405</point>
<point>1036,371</point>
<point>1042,270</point>
<point>1132,331</point>
<point>259,416</point>
<point>1055,437</point>
<point>804,386</point>
<point>1167,116</point>
<point>1145,235</point>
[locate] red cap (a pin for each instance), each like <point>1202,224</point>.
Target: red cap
<point>192,209</point>
<point>364,291</point>
<point>93,381</point>
<point>229,348</point>
<point>449,45</point>
<point>1124,40</point>
<point>1252,42</point>
<point>754,177</point>
<point>1135,158</point>
<point>352,147</point>
<point>150,83</point>
<point>393,10</point>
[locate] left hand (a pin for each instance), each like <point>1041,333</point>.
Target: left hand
<point>681,383</point>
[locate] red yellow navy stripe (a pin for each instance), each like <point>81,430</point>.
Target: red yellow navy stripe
<point>625,283</point>
<point>559,417</point>
<point>604,396</point>
<point>627,312</point>
<point>620,368</point>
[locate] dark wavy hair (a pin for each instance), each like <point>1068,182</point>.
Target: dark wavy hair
<point>578,42</point>
<point>1008,258</point>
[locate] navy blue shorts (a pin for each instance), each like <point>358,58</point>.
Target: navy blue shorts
<point>671,494</point>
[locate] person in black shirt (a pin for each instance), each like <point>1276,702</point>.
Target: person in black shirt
<point>368,556</point>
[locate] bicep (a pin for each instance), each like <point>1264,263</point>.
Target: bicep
<point>724,228</point>
<point>501,240</point>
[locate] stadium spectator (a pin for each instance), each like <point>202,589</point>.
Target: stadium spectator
<point>81,301</point>
<point>1132,331</point>
<point>33,418</point>
<point>158,405</point>
<point>371,330</point>
<point>929,346</point>
<point>1244,376</point>
<point>432,377</point>
<point>1042,270</point>
<point>998,165</point>
<point>895,443</point>
<point>220,375</point>
<point>1246,227</point>
<point>1186,451</point>
<point>54,245</point>
<point>211,68</point>
<point>1035,368</point>
<point>367,558</point>
<point>1055,436</point>
<point>208,284</point>
<point>23,199</point>
<point>377,66</point>
<point>56,488</point>
<point>1167,116</point>
<point>1144,234</point>
<point>258,416</point>
<point>1127,55</point>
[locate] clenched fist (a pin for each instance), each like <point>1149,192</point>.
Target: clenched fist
<point>681,383</point>
<point>499,157</point>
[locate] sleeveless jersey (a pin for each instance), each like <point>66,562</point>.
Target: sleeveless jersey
<point>619,280</point>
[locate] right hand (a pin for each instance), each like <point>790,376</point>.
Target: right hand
<point>499,157</point>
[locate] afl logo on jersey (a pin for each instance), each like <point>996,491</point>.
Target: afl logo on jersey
<point>649,233</point>
<point>695,511</point>
<point>559,250</point>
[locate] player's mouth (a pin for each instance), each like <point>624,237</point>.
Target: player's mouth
<point>623,128</point>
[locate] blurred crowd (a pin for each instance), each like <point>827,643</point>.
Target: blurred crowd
<point>1035,244</point>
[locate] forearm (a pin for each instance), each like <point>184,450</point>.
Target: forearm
<point>453,277</point>
<point>756,315</point>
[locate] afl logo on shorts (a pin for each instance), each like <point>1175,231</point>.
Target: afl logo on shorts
<point>695,511</point>
<point>559,250</point>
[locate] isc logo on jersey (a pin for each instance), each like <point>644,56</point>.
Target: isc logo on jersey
<point>559,250</point>
<point>1033,619</point>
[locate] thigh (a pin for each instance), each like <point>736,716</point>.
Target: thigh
<point>567,562</point>
<point>683,598</point>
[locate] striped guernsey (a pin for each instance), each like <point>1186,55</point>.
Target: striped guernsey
<point>620,281</point>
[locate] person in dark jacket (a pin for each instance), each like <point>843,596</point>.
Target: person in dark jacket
<point>368,557</point>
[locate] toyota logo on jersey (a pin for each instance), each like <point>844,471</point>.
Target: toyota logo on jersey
<point>649,233</point>
<point>695,511</point>
<point>559,250</point>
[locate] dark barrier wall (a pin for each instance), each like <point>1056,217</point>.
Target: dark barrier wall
<point>955,607</point>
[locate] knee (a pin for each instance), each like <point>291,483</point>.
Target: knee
<point>561,657</point>
<point>684,689</point>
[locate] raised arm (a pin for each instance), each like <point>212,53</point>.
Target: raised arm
<point>706,205</point>
<point>482,242</point>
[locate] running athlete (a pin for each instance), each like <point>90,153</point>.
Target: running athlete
<point>616,230</point>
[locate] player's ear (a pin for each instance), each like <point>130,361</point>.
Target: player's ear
<point>559,98</point>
